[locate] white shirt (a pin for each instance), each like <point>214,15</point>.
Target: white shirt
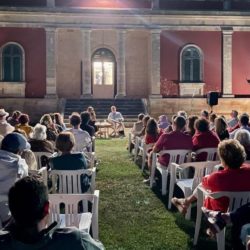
<point>82,139</point>
<point>5,128</point>
<point>115,116</point>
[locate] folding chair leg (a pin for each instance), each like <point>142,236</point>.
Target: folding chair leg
<point>221,239</point>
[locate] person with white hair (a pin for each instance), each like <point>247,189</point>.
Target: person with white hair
<point>5,127</point>
<point>243,136</point>
<point>39,142</point>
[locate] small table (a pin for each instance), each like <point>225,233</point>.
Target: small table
<point>103,129</point>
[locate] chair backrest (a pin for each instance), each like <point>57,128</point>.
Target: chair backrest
<point>210,152</point>
<point>148,146</point>
<point>71,208</point>
<point>177,155</point>
<point>236,199</point>
<point>70,180</point>
<point>43,172</point>
<point>39,158</point>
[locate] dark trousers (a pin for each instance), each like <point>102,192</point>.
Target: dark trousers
<point>239,218</point>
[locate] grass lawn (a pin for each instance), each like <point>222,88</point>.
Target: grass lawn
<point>131,215</point>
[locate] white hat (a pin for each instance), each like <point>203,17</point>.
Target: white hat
<point>3,113</point>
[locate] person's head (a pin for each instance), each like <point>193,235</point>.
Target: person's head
<point>220,124</point>
<point>85,117</point>
<point>3,114</point>
<point>145,120</point>
<point>243,136</point>
<point>212,117</point>
<point>173,118</point>
<point>113,109</point>
<point>163,118</point>
<point>14,143</point>
<point>179,123</point>
<point>39,132</point>
<point>58,118</point>
<point>152,127</point>
<point>65,142</point>
<point>90,109</point>
<point>234,113</point>
<point>191,121</point>
<point>75,120</point>
<point>231,153</point>
<point>201,125</point>
<point>182,113</point>
<point>244,120</point>
<point>204,114</point>
<point>140,117</point>
<point>46,120</point>
<point>24,119</point>
<point>16,114</point>
<point>28,201</point>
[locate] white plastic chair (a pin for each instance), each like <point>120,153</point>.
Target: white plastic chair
<point>43,172</point>
<point>144,151</point>
<point>138,143</point>
<point>211,153</point>
<point>71,215</point>
<point>90,158</point>
<point>177,156</point>
<point>70,180</point>
<point>39,156</point>
<point>187,185</point>
<point>236,200</point>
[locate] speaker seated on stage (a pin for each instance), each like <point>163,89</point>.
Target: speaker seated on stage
<point>116,119</point>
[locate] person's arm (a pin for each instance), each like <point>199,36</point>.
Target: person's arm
<point>121,119</point>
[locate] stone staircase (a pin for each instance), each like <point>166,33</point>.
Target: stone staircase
<point>129,108</point>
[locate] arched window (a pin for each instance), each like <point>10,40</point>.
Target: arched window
<point>191,64</point>
<point>12,63</point>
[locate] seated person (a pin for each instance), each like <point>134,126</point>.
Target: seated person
<point>243,136</point>
<point>190,124</point>
<point>92,121</point>
<point>51,131</point>
<point>29,206</point>
<point>203,138</point>
<point>234,177</point>
<point>39,142</point>
<point>82,138</point>
<point>58,120</point>
<point>220,128</point>
<point>204,115</point>
<point>152,132</point>
<point>85,118</point>
<point>12,167</point>
<point>234,119</point>
<point>116,119</point>
<point>13,120</point>
<point>68,160</point>
<point>24,125</point>
<point>5,127</point>
<point>163,122</point>
<point>212,118</point>
<point>144,125</point>
<point>243,124</point>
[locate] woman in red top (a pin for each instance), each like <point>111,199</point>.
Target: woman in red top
<point>233,178</point>
<point>152,131</point>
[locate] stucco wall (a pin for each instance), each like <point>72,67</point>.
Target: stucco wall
<point>34,45</point>
<point>69,56</point>
<point>241,63</point>
<point>210,43</point>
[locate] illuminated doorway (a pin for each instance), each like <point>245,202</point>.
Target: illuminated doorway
<point>103,74</point>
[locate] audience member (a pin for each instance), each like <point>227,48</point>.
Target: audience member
<point>170,127</point>
<point>234,177</point>
<point>12,166</point>
<point>68,160</point>
<point>13,120</point>
<point>182,113</point>
<point>39,142</point>
<point>85,118</point>
<point>243,136</point>
<point>58,119</point>
<point>144,122</point>
<point>116,119</point>
<point>82,138</point>
<point>29,206</point>
<point>51,129</point>
<point>5,127</point>
<point>221,128</point>
<point>138,125</point>
<point>212,118</point>
<point>163,122</point>
<point>30,159</point>
<point>92,121</point>
<point>205,114</point>
<point>24,125</point>
<point>173,140</point>
<point>234,119</point>
<point>203,138</point>
<point>190,126</point>
<point>152,131</point>
<point>243,123</point>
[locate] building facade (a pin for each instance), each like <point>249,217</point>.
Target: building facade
<point>128,48</point>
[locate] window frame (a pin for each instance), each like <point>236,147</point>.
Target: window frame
<point>198,49</point>
<point>22,62</point>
